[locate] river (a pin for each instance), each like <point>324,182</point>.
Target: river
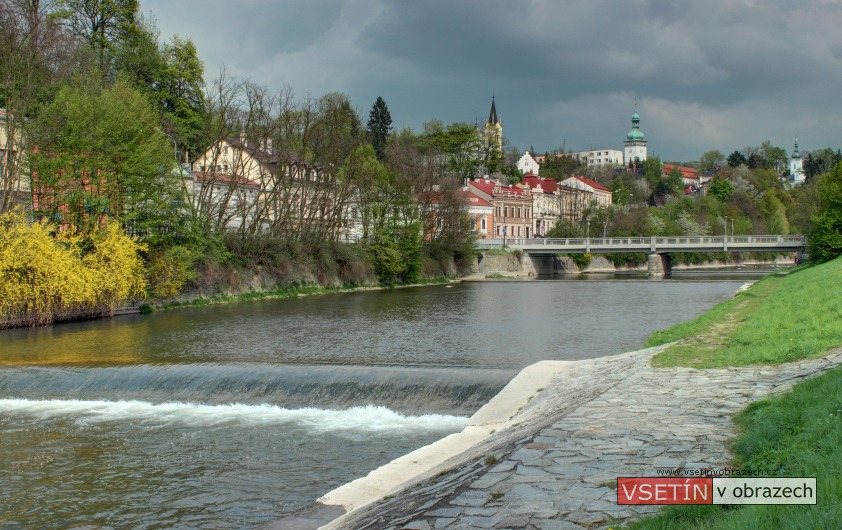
<point>232,416</point>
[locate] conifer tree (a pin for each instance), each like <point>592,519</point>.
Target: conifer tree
<point>378,126</point>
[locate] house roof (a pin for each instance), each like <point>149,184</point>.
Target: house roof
<point>471,199</point>
<point>686,172</point>
<point>592,183</point>
<point>487,187</point>
<point>547,185</point>
<point>264,154</point>
<point>221,178</point>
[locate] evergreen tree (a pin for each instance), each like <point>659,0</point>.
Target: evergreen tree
<point>736,158</point>
<point>378,126</point>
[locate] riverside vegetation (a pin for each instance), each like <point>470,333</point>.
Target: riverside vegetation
<point>100,118</point>
<point>780,319</point>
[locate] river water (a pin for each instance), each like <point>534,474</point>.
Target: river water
<point>232,416</point>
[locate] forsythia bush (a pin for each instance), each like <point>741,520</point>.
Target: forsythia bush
<point>44,276</point>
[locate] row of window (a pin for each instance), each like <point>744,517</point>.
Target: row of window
<point>509,211</point>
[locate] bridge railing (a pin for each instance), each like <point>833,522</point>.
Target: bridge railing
<point>639,244</point>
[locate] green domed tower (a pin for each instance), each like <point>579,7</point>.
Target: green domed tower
<point>635,143</point>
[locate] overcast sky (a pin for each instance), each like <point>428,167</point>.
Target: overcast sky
<point>712,74</point>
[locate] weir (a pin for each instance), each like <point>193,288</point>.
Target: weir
<point>406,390</point>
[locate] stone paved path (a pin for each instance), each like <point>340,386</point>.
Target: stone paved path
<point>561,475</point>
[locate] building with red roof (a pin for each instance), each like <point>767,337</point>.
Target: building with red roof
<point>480,212</point>
<point>512,207</point>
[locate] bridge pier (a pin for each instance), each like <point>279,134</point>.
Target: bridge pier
<point>659,264</point>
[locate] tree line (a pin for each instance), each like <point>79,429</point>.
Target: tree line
<point>102,118</point>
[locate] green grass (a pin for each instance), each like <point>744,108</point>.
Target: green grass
<point>800,435</point>
<point>779,319</point>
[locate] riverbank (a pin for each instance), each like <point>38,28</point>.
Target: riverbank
<point>554,461</point>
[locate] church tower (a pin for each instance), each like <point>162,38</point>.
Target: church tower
<point>494,129</point>
<point>635,143</point>
<point>796,166</point>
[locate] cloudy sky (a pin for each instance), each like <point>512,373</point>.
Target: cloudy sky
<point>712,74</point>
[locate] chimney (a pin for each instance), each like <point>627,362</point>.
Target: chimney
<point>243,138</point>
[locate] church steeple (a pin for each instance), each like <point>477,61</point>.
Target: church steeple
<point>492,117</point>
<point>635,144</point>
<point>796,165</point>
<point>494,129</point>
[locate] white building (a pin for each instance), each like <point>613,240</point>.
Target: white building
<point>796,166</point>
<point>528,165</point>
<point>635,143</point>
<point>600,157</point>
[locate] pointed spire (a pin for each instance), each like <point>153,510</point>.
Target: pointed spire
<point>492,117</point>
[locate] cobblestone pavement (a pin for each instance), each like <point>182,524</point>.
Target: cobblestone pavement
<point>561,476</point>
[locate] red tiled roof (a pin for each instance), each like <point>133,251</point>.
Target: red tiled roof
<point>487,187</point>
<point>592,183</point>
<point>686,172</point>
<point>471,199</point>
<point>219,178</point>
<point>547,185</point>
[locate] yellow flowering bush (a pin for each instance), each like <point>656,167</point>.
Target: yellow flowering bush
<point>46,275</point>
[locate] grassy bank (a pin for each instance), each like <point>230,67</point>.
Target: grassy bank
<point>779,319</point>
<point>282,293</point>
<point>799,434</point>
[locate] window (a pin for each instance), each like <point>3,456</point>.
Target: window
<point>519,212</point>
<point>482,223</point>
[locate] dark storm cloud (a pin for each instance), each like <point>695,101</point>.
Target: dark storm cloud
<point>716,74</point>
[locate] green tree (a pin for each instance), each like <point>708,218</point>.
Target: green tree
<point>378,126</point>
<point>100,23</point>
<point>721,189</point>
<point>710,159</point>
<point>737,159</point>
<point>100,154</point>
<point>826,237</point>
<point>459,144</point>
<point>35,57</point>
<point>559,166</point>
<point>820,161</point>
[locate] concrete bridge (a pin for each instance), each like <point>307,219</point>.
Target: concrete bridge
<point>659,248</point>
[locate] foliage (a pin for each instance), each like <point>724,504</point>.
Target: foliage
<point>43,277</point>
<point>582,260</point>
<point>100,23</point>
<point>378,126</point>
<point>169,270</point>
<point>721,189</point>
<point>461,145</point>
<point>820,161</point>
<point>559,166</point>
<point>101,155</point>
<point>709,161</point>
<point>35,57</point>
<point>737,159</point>
<point>826,236</point>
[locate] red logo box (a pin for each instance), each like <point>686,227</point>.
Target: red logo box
<point>661,490</point>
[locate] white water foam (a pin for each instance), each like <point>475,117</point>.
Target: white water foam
<point>360,419</point>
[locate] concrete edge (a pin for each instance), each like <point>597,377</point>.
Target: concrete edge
<point>506,417</point>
